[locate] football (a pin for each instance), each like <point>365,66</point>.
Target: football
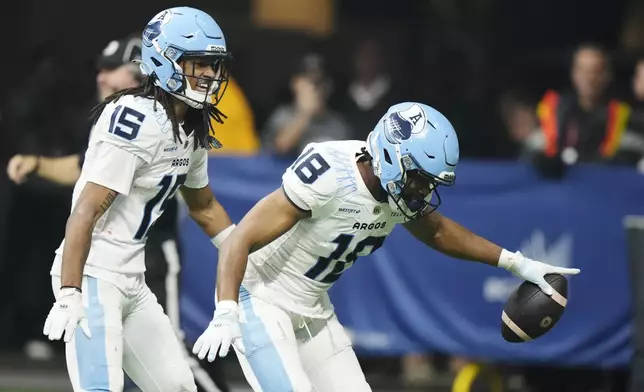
<point>529,313</point>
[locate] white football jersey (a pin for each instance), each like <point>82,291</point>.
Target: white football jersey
<point>296,270</point>
<point>133,152</point>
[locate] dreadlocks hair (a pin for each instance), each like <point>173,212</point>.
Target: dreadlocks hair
<point>363,155</point>
<point>196,120</point>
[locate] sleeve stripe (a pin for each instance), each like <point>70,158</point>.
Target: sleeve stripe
<point>292,202</point>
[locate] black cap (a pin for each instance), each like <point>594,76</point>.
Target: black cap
<point>119,52</point>
<point>311,64</point>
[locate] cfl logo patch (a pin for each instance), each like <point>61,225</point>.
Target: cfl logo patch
<point>180,162</point>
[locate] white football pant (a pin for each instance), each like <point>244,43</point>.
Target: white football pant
<point>129,332</point>
<point>286,352</point>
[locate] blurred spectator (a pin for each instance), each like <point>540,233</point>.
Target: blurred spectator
<point>308,118</point>
<point>637,117</point>
<point>37,213</point>
<point>520,121</point>
<point>237,134</point>
<point>632,29</point>
<point>587,124</point>
<point>371,91</point>
<point>638,82</point>
<point>115,72</point>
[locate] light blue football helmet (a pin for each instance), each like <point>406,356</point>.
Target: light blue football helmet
<point>413,137</point>
<point>183,33</point>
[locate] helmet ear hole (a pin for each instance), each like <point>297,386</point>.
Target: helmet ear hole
<point>146,69</point>
<point>387,157</point>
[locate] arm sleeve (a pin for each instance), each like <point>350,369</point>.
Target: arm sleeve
<point>198,174</point>
<point>307,184</point>
<point>113,167</point>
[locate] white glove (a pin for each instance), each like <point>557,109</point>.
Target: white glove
<point>223,330</point>
<point>531,270</point>
<point>65,315</point>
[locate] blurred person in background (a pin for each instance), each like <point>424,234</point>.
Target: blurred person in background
<point>38,126</point>
<point>585,124</point>
<point>637,117</point>
<point>117,71</point>
<point>520,121</point>
<point>370,92</point>
<point>308,118</point>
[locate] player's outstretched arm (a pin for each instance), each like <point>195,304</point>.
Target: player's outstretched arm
<point>447,236</point>
<point>61,170</point>
<point>206,211</point>
<point>92,203</point>
<point>452,239</point>
<point>273,216</point>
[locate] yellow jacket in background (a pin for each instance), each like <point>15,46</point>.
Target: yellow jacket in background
<point>237,133</point>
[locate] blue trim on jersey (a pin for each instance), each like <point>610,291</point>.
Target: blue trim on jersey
<point>91,357</point>
<point>261,353</point>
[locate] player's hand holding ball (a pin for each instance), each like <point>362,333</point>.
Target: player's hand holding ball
<point>66,314</point>
<point>535,306</point>
<point>223,331</point>
<point>531,270</point>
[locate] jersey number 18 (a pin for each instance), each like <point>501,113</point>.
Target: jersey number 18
<point>308,168</point>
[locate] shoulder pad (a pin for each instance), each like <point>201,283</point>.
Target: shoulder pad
<point>132,124</point>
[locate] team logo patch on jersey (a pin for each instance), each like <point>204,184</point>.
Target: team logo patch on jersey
<point>400,126</point>
<point>153,30</point>
<point>376,210</point>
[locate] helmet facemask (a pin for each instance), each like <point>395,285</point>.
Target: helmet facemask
<point>208,90</point>
<point>416,193</point>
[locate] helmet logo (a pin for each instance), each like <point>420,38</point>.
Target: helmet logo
<point>216,48</point>
<point>153,29</point>
<point>400,126</point>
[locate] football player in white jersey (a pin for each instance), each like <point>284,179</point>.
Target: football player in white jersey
<point>147,143</point>
<point>338,201</point>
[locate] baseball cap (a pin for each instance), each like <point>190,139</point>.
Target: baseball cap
<point>119,52</point>
<point>313,66</point>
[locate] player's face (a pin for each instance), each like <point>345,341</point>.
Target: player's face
<point>201,73</point>
<point>418,188</point>
<point>109,81</point>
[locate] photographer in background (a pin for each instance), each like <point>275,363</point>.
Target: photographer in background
<point>308,118</point>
